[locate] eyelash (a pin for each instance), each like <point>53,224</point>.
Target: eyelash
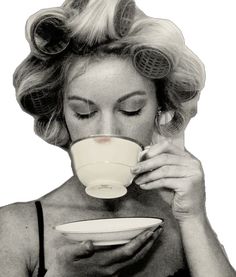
<point>87,116</point>
<point>134,113</point>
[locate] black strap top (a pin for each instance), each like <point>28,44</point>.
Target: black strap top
<point>42,271</point>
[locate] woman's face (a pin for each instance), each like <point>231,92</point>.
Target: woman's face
<point>111,97</point>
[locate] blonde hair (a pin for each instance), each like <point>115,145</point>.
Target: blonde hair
<point>40,79</point>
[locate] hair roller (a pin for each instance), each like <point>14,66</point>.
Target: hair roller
<point>173,127</point>
<point>102,20</point>
<point>185,92</point>
<point>47,32</point>
<point>75,4</point>
<point>151,62</point>
<point>124,16</point>
<point>39,103</point>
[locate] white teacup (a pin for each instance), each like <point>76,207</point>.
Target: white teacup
<point>103,162</point>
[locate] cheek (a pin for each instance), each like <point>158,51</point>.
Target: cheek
<point>146,124</point>
<point>72,124</point>
<point>80,128</point>
<point>143,133</point>
<point>77,128</point>
<point>141,128</point>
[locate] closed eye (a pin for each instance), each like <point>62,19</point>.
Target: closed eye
<point>131,113</point>
<point>85,116</point>
<point>126,113</point>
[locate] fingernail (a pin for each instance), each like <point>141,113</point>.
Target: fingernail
<point>159,230</point>
<point>138,181</point>
<point>148,234</point>
<point>143,186</point>
<point>135,169</point>
<point>157,233</point>
<point>88,245</point>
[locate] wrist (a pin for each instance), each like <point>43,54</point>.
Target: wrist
<point>192,221</point>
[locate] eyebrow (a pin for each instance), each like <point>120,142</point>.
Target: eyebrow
<point>75,97</point>
<point>123,98</point>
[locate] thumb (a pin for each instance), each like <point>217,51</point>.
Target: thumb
<point>85,249</point>
<point>79,250</point>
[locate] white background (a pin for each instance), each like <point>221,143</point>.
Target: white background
<point>30,167</point>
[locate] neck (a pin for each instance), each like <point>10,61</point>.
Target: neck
<point>79,196</point>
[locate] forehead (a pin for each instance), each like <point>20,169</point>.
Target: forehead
<point>110,77</point>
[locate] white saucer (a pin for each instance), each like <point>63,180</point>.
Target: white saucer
<point>107,232</point>
<point>110,243</point>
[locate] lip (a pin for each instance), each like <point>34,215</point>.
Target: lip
<point>105,137</point>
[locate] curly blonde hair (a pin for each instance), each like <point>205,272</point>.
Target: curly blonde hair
<point>87,28</point>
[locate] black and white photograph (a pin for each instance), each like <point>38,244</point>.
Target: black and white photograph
<point>118,138</point>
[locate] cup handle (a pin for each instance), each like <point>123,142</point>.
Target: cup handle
<point>142,153</point>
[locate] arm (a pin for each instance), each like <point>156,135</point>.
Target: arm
<point>12,244</point>
<point>167,166</point>
<point>204,253</point>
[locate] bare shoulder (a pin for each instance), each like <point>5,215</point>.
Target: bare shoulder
<point>18,224</point>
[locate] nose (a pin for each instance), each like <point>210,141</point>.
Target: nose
<point>108,125</point>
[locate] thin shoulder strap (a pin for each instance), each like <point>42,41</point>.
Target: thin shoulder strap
<point>42,269</point>
<point>181,273</point>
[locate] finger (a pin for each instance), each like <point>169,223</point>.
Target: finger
<point>160,160</point>
<point>164,147</point>
<point>140,254</point>
<point>170,171</point>
<point>127,251</point>
<point>143,153</point>
<point>170,183</point>
<point>75,251</point>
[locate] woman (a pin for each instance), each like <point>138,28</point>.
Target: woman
<point>96,79</point>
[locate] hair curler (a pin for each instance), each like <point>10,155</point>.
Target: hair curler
<point>151,62</point>
<point>183,90</point>
<point>38,103</point>
<point>47,32</point>
<point>124,16</point>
